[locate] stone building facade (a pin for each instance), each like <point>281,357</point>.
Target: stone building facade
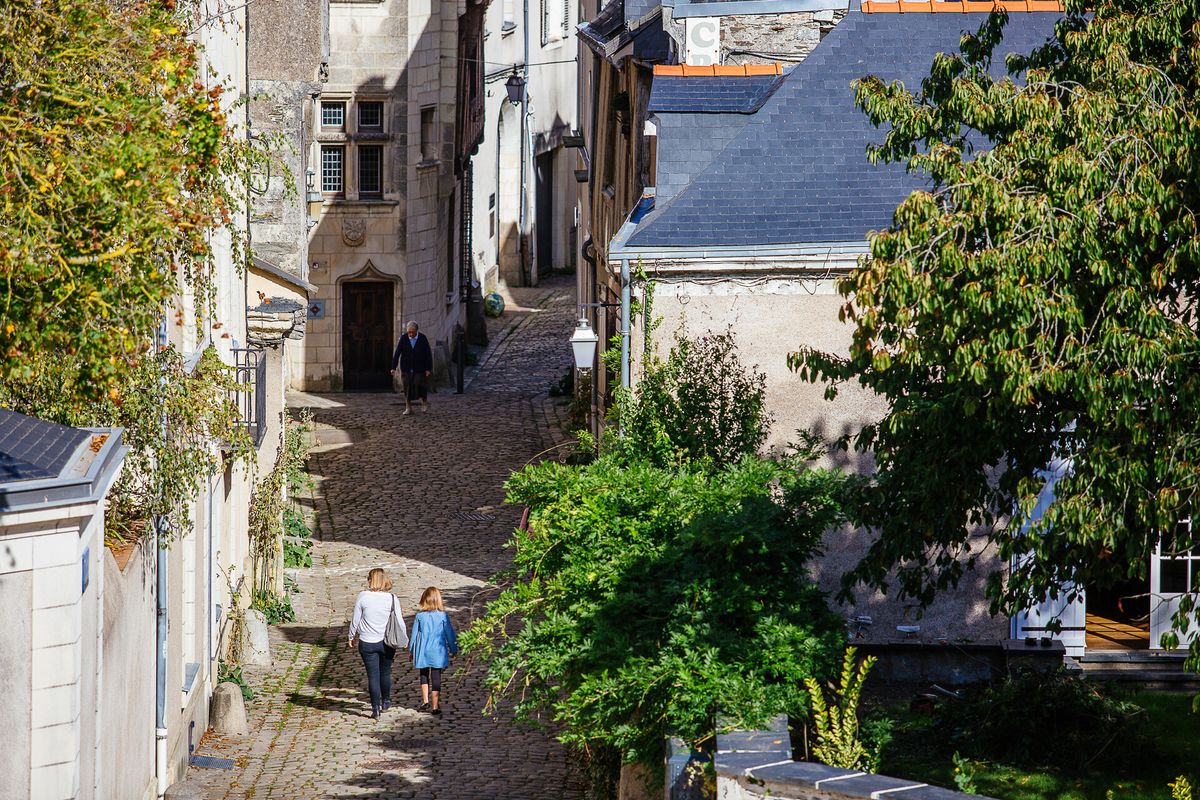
<point>288,60</point>
<point>542,51</point>
<point>384,247</point>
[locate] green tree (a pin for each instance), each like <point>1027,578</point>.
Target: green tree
<point>1038,303</point>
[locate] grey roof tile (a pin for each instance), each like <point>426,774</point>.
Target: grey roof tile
<point>712,94</point>
<point>797,170</point>
<point>33,449</point>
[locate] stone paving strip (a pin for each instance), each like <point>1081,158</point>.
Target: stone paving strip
<point>421,496</point>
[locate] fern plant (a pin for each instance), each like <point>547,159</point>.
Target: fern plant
<point>839,743</point>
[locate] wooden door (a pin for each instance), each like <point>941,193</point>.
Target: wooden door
<point>367,335</point>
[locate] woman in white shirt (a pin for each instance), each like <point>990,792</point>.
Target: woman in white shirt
<point>371,613</point>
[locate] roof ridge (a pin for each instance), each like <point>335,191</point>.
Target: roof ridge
<point>717,70</point>
<point>957,6</point>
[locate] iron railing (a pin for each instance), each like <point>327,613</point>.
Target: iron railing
<point>250,372</point>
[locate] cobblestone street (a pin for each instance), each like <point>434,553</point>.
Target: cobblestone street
<point>422,497</point>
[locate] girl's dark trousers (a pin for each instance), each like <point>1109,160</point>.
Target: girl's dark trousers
<point>377,658</point>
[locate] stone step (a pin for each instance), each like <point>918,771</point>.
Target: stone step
<point>1156,680</point>
<point>1135,660</point>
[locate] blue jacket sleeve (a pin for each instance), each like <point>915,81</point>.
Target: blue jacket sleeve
<point>416,635</point>
<point>451,639</point>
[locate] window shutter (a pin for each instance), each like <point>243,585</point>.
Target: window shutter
<point>566,19</point>
<point>546,22</point>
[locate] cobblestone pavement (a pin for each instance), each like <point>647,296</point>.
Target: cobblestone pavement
<point>422,497</point>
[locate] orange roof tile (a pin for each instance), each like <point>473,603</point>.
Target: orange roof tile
<point>692,71</point>
<point>958,6</point>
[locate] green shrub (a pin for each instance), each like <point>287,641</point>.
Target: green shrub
<point>297,539</point>
<point>277,610</point>
<point>232,673</point>
<point>699,405</point>
<point>666,581</point>
<point>649,598</point>
<point>839,739</point>
<point>1041,719</point>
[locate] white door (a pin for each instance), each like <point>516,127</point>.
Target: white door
<point>1069,612</point>
<point>1171,577</point>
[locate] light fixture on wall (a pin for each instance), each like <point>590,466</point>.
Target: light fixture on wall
<point>312,197</point>
<point>515,86</point>
<point>583,344</point>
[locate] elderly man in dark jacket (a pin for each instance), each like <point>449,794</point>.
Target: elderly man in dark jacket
<point>414,357</point>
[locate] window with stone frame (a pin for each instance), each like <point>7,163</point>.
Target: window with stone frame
<point>370,115</point>
<point>370,170</point>
<point>333,115</point>
<point>554,16</point>
<point>333,173</point>
<point>428,134</point>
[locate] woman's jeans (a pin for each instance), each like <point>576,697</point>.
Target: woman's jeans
<point>377,658</point>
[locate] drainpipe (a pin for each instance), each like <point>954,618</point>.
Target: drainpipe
<point>522,245</point>
<point>160,713</point>
<point>625,323</point>
<point>160,638</point>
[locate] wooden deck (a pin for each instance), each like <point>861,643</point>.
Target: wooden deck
<point>1108,634</point>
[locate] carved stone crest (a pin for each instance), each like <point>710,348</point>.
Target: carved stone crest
<point>354,231</point>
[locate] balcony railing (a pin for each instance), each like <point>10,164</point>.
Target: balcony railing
<point>250,371</point>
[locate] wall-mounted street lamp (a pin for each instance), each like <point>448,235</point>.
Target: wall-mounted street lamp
<point>515,86</point>
<point>583,344</point>
<point>312,197</point>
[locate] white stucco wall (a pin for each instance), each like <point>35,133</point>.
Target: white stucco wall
<point>771,316</point>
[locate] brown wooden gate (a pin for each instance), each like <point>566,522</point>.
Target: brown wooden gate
<point>367,335</point>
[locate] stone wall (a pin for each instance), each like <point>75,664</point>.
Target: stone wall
<point>401,53</point>
<point>771,315</point>
<point>770,38</point>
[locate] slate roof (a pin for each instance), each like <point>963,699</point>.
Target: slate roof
<point>712,95</point>
<point>33,449</point>
<point>276,305</point>
<point>797,172</point>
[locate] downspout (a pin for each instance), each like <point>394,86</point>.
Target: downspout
<point>160,639</point>
<point>522,245</point>
<point>625,323</point>
<point>499,230</point>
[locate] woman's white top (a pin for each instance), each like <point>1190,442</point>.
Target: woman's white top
<point>371,612</point>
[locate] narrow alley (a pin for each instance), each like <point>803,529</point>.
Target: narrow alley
<point>422,497</point>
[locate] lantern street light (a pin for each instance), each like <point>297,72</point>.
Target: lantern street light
<point>515,86</point>
<point>583,343</point>
<point>313,199</point>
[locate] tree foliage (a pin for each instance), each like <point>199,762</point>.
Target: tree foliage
<point>1038,303</point>
<point>117,164</point>
<point>120,179</point>
<point>178,421</point>
<point>645,599</point>
<point>665,582</point>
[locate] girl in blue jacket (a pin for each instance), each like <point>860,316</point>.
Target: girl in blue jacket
<point>431,644</point>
